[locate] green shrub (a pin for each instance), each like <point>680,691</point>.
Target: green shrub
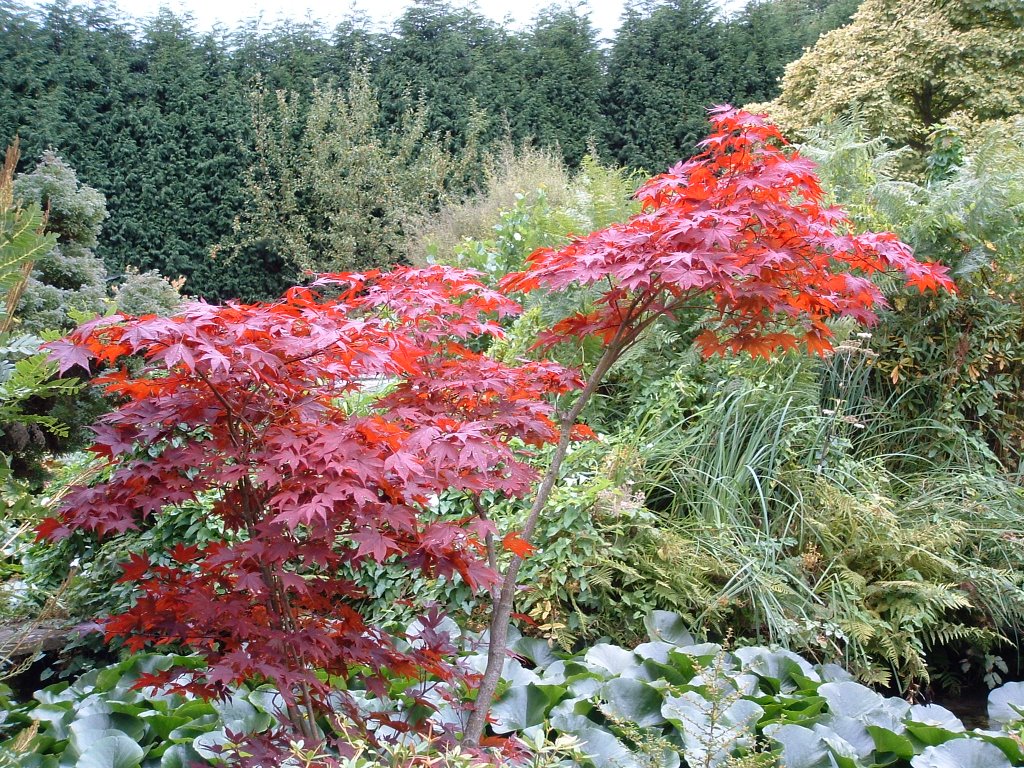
<point>950,367</point>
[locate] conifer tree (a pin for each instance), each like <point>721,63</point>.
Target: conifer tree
<point>661,78</point>
<point>454,60</point>
<point>70,277</point>
<point>561,64</point>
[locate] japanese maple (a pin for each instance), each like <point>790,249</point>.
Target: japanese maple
<point>741,231</point>
<point>322,424</point>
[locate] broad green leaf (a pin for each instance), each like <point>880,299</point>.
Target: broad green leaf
<point>238,715</point>
<point>961,753</point>
<point>933,714</point>
<point>668,627</point>
<point>652,670</point>
<point>1006,703</point>
<point>195,727</point>
<point>515,673</point>
<point>179,756</point>
<point>613,659</point>
<point>801,709</point>
<point>536,650</point>
<point>162,724</point>
<point>930,735</point>
<point>115,750</point>
<point>59,717</point>
<point>603,748</point>
<point>520,707</point>
<point>656,651</point>
<point>784,669</point>
<point>861,703</point>
<point>633,701</point>
<point>194,709</point>
<point>887,741</point>
<point>1008,743</point>
<point>266,699</point>
<point>207,744</point>
<point>585,687</point>
<point>853,733</point>
<point>801,747</point>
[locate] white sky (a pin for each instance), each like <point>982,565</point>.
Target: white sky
<point>604,14</point>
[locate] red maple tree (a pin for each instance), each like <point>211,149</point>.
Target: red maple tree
<point>322,424</point>
<point>740,231</point>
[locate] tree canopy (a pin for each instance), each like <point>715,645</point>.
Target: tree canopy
<point>906,67</point>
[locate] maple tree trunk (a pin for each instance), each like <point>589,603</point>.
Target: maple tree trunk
<point>502,610</point>
<point>301,713</point>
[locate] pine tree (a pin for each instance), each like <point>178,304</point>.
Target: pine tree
<point>766,35</point>
<point>456,61</point>
<point>178,150</point>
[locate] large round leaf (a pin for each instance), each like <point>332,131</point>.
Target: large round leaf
<point>1006,703</point>
<point>801,747</point>
<point>667,626</point>
<point>239,716</point>
<point>962,753</point>
<point>613,659</point>
<point>180,756</point>
<point>209,745</point>
<point>853,732</point>
<point>520,707</point>
<point>536,650</point>
<point>782,670</point>
<point>861,703</point>
<point>602,746</point>
<point>633,701</point>
<point>114,750</point>
<point>656,650</point>
<point>933,714</point>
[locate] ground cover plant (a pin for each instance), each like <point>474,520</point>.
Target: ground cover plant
<point>670,701</point>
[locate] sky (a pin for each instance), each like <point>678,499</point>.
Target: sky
<point>604,14</point>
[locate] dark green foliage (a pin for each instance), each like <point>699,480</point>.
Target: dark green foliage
<point>766,35</point>
<point>156,124</point>
<point>326,192</point>
<point>178,151</point>
<point>290,55</point>
<point>156,118</point>
<point>454,60</point>
<point>561,71</point>
<point>661,79</point>
<point>952,367</point>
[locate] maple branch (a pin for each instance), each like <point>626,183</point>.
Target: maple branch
<point>281,608</point>
<point>502,610</point>
<point>492,554</point>
<point>229,412</point>
<point>625,336</point>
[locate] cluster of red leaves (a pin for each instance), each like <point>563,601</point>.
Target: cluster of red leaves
<point>743,224</point>
<point>323,424</point>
